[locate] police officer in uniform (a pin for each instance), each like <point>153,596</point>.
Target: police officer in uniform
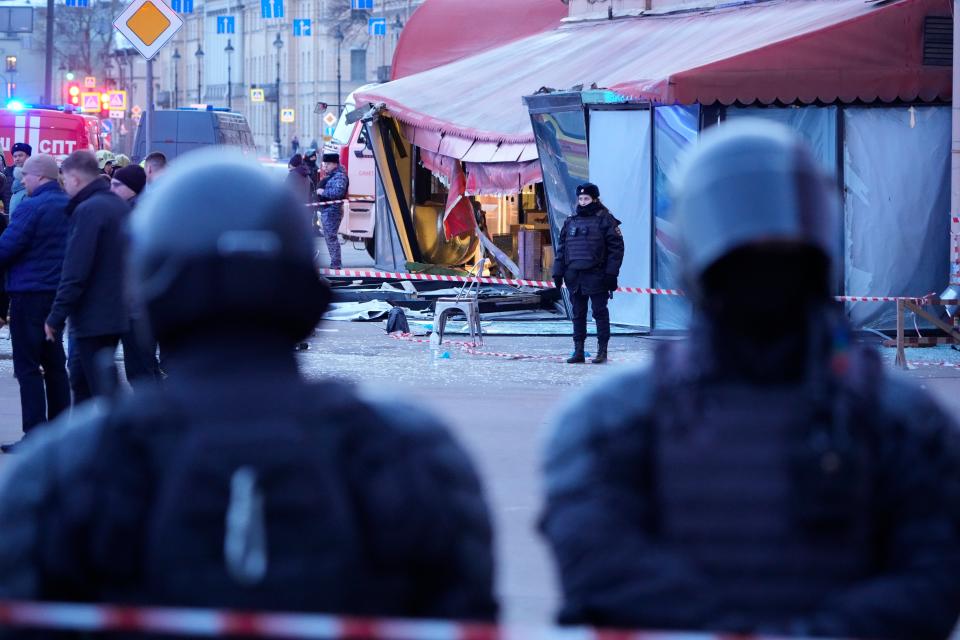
<point>588,258</point>
<point>764,476</point>
<point>238,483</point>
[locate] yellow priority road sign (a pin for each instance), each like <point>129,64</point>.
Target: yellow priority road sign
<point>256,95</point>
<point>286,115</point>
<point>148,25</point>
<point>330,119</point>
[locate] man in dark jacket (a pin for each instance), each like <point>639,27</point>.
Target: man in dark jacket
<point>32,250</point>
<point>588,258</point>
<point>298,178</point>
<point>313,169</point>
<point>91,291</point>
<point>333,187</point>
<point>239,484</point>
<point>765,476</point>
<point>139,349</point>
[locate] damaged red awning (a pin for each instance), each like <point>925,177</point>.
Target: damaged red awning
<point>442,31</point>
<point>786,50</point>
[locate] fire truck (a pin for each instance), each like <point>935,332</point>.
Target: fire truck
<point>52,130</point>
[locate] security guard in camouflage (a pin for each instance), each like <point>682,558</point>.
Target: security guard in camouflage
<point>588,259</point>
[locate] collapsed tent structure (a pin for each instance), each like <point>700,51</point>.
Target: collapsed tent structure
<point>616,101</point>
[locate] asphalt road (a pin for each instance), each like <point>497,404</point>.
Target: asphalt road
<point>497,407</point>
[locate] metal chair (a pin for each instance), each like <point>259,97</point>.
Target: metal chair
<point>465,302</point>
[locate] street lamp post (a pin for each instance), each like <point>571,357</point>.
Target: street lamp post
<point>229,50</point>
<point>278,43</point>
<point>61,71</point>
<point>339,36</point>
<point>176,77</point>
<point>199,54</point>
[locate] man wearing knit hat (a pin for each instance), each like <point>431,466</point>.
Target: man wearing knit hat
<point>32,250</point>
<point>128,182</point>
<point>139,348</point>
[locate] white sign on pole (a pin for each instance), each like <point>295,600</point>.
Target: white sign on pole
<point>117,114</point>
<point>148,25</point>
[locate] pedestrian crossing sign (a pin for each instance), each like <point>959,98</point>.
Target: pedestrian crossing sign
<point>256,95</point>
<point>286,115</point>
<point>118,100</point>
<point>90,102</point>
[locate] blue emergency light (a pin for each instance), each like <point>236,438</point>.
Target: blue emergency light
<point>15,105</point>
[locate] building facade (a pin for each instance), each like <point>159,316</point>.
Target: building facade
<point>326,50</point>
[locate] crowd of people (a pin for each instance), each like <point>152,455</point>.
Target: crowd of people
<point>64,252</point>
<point>765,476</point>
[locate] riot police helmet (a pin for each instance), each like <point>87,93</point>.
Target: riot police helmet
<point>751,184</point>
<point>220,243</point>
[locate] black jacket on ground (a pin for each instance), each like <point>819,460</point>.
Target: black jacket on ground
<point>589,248</point>
<point>686,496</point>
<point>91,292</point>
<point>76,503</point>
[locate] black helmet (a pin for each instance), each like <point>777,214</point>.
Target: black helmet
<point>218,243</point>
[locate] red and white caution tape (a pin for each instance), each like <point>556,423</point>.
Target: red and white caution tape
<point>546,284</point>
<point>323,204</point>
<point>212,623</point>
<point>387,275</point>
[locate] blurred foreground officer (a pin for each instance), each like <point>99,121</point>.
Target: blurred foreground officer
<point>589,255</point>
<point>765,475</point>
<point>239,484</point>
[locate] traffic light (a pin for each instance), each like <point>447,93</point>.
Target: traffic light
<point>73,94</point>
<point>104,104</point>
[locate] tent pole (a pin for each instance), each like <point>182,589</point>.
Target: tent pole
<point>952,292</point>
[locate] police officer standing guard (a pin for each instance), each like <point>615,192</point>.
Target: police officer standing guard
<point>589,255</point>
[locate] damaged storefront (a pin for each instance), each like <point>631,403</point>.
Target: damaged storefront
<point>854,78</point>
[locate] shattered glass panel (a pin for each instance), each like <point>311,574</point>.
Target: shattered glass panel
<point>674,129</point>
<point>562,144</point>
<point>896,174</point>
<point>816,125</point>
<point>620,166</point>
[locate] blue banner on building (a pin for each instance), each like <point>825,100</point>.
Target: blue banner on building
<point>226,24</point>
<point>182,6</point>
<point>362,5</point>
<point>77,3</point>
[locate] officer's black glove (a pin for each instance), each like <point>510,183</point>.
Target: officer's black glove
<point>610,282</point>
<point>558,281</point>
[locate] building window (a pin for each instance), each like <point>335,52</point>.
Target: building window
<point>358,65</point>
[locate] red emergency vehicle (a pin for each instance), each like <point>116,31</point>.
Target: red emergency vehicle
<point>48,130</point>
